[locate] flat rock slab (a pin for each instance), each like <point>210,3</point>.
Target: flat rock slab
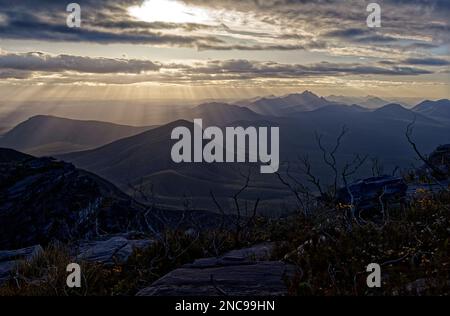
<point>237,273</point>
<point>9,259</point>
<point>260,252</point>
<point>115,250</point>
<point>258,279</point>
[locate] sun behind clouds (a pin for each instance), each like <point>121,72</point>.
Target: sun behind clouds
<point>170,11</point>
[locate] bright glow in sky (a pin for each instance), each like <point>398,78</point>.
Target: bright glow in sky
<point>170,11</point>
<point>236,49</point>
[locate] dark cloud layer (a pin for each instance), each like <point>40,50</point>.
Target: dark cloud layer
<point>277,70</point>
<point>22,66</point>
<point>427,61</point>
<point>37,61</point>
<point>328,23</point>
<point>14,74</point>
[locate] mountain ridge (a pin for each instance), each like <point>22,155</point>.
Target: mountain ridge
<point>280,106</point>
<point>439,109</point>
<point>44,135</point>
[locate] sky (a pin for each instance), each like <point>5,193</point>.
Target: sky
<point>207,49</point>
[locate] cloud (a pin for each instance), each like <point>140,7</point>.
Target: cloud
<point>240,25</point>
<point>360,35</point>
<point>36,30</point>
<point>255,69</point>
<point>286,47</point>
<point>38,61</point>
<point>14,74</point>
<point>44,68</point>
<point>103,22</point>
<point>427,61</point>
<point>21,65</point>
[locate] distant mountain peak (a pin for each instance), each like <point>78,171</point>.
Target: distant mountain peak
<point>288,104</point>
<point>218,113</point>
<point>309,93</point>
<point>41,116</point>
<point>436,109</point>
<point>216,105</point>
<point>441,102</point>
<point>392,106</point>
<point>305,94</point>
<point>374,98</point>
<point>393,109</point>
<point>369,101</point>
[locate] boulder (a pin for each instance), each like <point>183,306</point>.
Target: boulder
<point>366,193</point>
<point>260,252</point>
<point>237,273</point>
<point>9,259</point>
<point>115,250</point>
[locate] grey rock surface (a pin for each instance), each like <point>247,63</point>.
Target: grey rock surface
<point>237,273</point>
<point>115,250</point>
<point>9,259</point>
<point>44,200</point>
<point>366,193</point>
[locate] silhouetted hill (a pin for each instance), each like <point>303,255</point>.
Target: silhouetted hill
<point>281,106</point>
<point>370,102</point>
<point>338,112</point>
<point>336,108</point>
<point>439,110</point>
<point>47,135</point>
<point>145,159</point>
<point>396,111</point>
<point>220,114</point>
<point>9,155</point>
<point>130,158</point>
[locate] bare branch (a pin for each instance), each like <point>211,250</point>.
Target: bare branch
<point>409,132</point>
<point>329,157</point>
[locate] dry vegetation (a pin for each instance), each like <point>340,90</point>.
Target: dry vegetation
<point>412,248</point>
<point>330,251</point>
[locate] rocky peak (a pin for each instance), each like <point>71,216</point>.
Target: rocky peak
<point>44,199</point>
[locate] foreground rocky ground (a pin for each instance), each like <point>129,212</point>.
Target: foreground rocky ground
<point>241,272</point>
<point>244,272</point>
<point>322,255</point>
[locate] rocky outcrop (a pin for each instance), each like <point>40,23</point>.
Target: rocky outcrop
<point>115,250</point>
<point>10,259</point>
<point>112,251</point>
<point>238,273</point>
<point>44,200</point>
<point>368,193</point>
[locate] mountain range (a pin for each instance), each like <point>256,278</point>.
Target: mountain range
<point>143,158</point>
<point>281,106</point>
<point>370,102</point>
